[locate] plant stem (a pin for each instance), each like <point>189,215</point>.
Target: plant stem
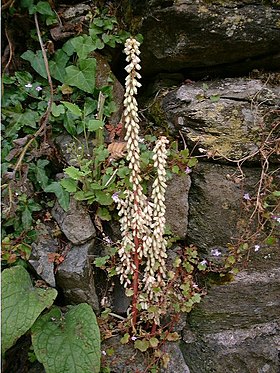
<point>135,282</point>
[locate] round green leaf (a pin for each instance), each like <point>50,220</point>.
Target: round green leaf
<point>21,304</point>
<point>68,343</point>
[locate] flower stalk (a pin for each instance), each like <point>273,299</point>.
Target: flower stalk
<point>143,246</point>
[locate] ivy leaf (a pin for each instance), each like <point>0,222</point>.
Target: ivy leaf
<point>19,120</point>
<point>94,124</point>
<point>21,304</point>
<point>57,65</point>
<point>142,345</point>
<point>43,7</point>
<point>61,194</point>
<point>36,61</point>
<point>68,343</point>
<point>73,108</point>
<point>83,45</point>
<point>83,75</point>
<point>69,123</point>
<point>26,218</point>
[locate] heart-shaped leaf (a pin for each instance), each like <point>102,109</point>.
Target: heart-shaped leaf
<point>21,304</point>
<point>83,75</point>
<point>68,343</point>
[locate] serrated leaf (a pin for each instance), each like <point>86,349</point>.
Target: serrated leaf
<point>74,109</point>
<point>101,261</point>
<point>69,184</point>
<point>61,194</point>
<point>142,345</point>
<point>125,339</point>
<point>94,124</point>
<point>21,304</point>
<point>172,336</point>
<point>74,172</point>
<point>192,162</point>
<point>68,343</point>
<point>103,213</point>
<point>57,110</point>
<point>154,342</point>
<point>83,75</point>
<point>103,198</point>
<point>37,62</point>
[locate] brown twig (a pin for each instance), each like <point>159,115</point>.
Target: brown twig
<point>44,119</point>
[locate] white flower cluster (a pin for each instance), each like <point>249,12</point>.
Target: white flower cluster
<point>142,222</point>
<point>134,210</point>
<point>155,270</point>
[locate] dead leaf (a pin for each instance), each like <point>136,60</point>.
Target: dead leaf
<point>117,150</point>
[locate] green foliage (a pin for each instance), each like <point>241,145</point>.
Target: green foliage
<point>21,304</point>
<point>68,342</point>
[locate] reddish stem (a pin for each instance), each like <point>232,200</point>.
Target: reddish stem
<point>135,282</point>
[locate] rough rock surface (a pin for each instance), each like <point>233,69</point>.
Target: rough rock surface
<point>128,360</point>
<point>75,223</point>
<point>177,205</point>
<point>39,259</point>
<point>224,117</point>
<point>208,37</point>
<point>216,216</point>
<point>75,276</point>
<point>236,328</point>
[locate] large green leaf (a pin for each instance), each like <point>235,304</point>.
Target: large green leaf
<point>62,195</point>
<point>21,304</point>
<point>68,343</point>
<point>57,65</point>
<point>83,45</point>
<point>36,61</point>
<point>83,75</point>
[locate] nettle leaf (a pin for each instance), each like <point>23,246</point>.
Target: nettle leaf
<point>61,194</point>
<point>21,304</point>
<point>68,343</point>
<point>36,61</point>
<point>94,124</point>
<point>83,75</point>
<point>73,108</point>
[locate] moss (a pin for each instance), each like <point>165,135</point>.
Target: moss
<point>158,114</point>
